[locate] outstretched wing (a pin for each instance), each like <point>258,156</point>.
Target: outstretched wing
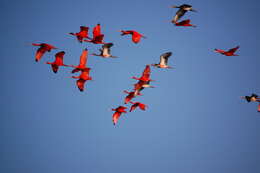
<point>80,84</point>
<point>115,117</point>
<point>233,50</point>
<point>96,30</point>
<point>83,58</point>
<point>106,48</point>
<point>164,58</point>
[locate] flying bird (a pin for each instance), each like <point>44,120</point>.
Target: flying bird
<point>118,111</point>
<point>82,78</point>
<point>253,98</point>
<point>182,10</point>
<point>58,61</point>
<point>137,104</point>
<point>44,47</point>
<point>82,34</point>
<point>143,81</point>
<point>105,51</point>
<point>131,95</point>
<point>136,36</point>
<point>97,36</point>
<point>184,23</point>
<point>163,61</point>
<point>230,52</point>
<point>82,62</point>
<point>145,75</point>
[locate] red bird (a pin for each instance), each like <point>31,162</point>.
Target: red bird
<point>184,23</point>
<point>58,61</point>
<point>146,74</point>
<point>82,62</point>
<point>130,96</point>
<point>119,110</point>
<point>82,34</point>
<point>137,104</point>
<point>253,98</point>
<point>230,52</point>
<point>44,47</point>
<point>144,80</point>
<point>136,36</point>
<point>97,36</point>
<point>82,78</point>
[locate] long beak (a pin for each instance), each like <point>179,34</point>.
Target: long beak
<point>193,10</point>
<point>174,6</point>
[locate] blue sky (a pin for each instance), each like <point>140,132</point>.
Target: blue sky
<point>195,121</point>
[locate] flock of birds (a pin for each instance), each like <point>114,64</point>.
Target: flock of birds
<point>105,52</point>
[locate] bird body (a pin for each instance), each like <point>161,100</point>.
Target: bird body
<point>230,52</point>
<point>253,98</point>
<point>130,96</point>
<point>163,61</point>
<point>82,62</point>
<point>58,61</point>
<point>136,36</point>
<point>105,52</point>
<point>137,104</point>
<point>44,47</point>
<point>97,36</point>
<point>82,34</point>
<point>182,10</point>
<point>82,78</point>
<point>184,23</point>
<point>118,111</point>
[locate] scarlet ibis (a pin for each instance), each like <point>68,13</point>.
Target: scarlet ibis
<point>82,34</point>
<point>97,36</point>
<point>253,98</point>
<point>82,78</point>
<point>44,47</point>
<point>118,111</point>
<point>182,10</point>
<point>105,51</point>
<point>163,60</point>
<point>230,52</point>
<point>136,36</point>
<point>146,74</point>
<point>184,23</point>
<point>137,104</point>
<point>131,95</point>
<point>82,62</point>
<point>58,61</point>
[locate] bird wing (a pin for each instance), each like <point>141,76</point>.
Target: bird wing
<point>97,30</point>
<point>106,48</point>
<point>220,51</point>
<point>80,84</point>
<point>164,58</point>
<point>133,107</point>
<point>98,38</point>
<point>115,117</point>
<point>184,22</point>
<point>39,53</point>
<point>233,50</point>
<point>55,68</point>
<point>179,14</point>
<point>146,72</point>
<point>84,28</point>
<point>142,106</point>
<point>83,58</point>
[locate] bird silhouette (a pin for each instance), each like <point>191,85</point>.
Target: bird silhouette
<point>253,98</point>
<point>105,52</point>
<point>58,61</point>
<point>136,36</point>
<point>182,10</point>
<point>137,104</point>
<point>97,36</point>
<point>131,95</point>
<point>82,78</point>
<point>230,52</point>
<point>163,61</point>
<point>44,47</point>
<point>118,111</point>
<point>82,34</point>
<point>184,23</point>
<point>82,62</point>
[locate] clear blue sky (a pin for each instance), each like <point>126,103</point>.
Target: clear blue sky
<point>195,121</point>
